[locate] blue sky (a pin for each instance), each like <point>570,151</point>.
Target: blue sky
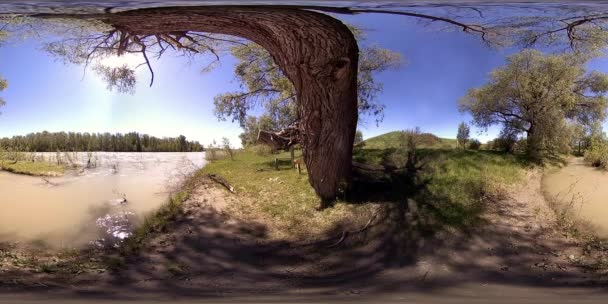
<point>440,67</point>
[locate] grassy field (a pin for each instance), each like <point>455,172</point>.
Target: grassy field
<point>283,197</point>
<point>392,140</point>
<point>32,168</point>
<point>450,185</point>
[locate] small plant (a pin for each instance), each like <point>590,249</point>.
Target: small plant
<point>226,147</point>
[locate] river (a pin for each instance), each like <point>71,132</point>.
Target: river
<point>99,205</point>
<point>584,188</point>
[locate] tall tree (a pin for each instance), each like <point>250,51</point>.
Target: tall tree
<point>463,134</point>
<point>536,94</point>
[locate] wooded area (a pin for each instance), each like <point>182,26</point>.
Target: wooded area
<point>106,142</point>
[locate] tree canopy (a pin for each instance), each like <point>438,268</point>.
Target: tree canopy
<point>536,95</point>
<point>263,84</point>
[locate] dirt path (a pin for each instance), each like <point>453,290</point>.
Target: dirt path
<point>205,253</point>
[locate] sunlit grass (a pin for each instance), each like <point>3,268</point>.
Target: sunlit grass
<point>457,182</point>
<point>32,168</point>
<point>282,197</point>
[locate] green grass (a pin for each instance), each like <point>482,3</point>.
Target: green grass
<point>392,140</point>
<point>32,168</point>
<point>451,186</point>
<point>282,197</point>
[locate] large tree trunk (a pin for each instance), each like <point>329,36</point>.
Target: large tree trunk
<point>316,52</point>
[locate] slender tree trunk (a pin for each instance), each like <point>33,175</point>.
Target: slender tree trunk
<point>532,145</point>
<point>316,52</point>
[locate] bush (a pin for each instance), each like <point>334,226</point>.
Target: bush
<point>260,150</point>
<point>597,155</point>
<point>212,154</point>
<point>474,144</point>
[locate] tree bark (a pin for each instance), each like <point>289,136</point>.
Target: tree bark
<point>318,54</point>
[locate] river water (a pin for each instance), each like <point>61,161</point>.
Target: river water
<point>585,189</point>
<point>98,205</point>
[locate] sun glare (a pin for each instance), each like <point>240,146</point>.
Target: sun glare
<point>130,60</point>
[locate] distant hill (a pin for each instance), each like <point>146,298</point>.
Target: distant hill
<point>392,140</point>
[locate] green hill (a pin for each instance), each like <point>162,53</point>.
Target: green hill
<point>393,140</point>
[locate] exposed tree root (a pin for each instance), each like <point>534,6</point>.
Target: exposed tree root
<point>222,181</point>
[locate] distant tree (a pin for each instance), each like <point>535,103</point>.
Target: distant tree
<point>463,134</point>
<point>580,139</point>
<point>536,95</point>
<point>182,144</point>
<point>3,86</point>
<point>505,141</point>
<point>227,148</point>
<point>72,141</point>
<point>474,144</point>
<point>358,138</point>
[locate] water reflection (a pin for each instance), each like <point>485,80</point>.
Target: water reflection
<point>101,203</point>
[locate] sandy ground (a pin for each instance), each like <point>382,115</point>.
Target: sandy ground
<point>517,256</point>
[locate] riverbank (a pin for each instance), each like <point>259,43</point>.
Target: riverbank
<point>37,168</point>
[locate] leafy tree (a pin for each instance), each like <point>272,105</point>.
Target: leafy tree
<point>358,138</point>
<point>463,134</point>
<point>3,86</point>
<point>535,95</point>
<point>226,147</point>
<point>265,85</point>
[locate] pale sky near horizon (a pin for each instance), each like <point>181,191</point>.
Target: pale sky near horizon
<point>45,94</point>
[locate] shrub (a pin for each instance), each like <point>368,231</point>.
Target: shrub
<point>260,150</point>
<point>597,155</point>
<point>474,144</point>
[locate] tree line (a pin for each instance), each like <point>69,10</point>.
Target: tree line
<point>106,142</point>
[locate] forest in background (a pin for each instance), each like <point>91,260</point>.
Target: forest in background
<point>106,142</point>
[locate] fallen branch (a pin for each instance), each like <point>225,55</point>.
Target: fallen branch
<point>222,181</point>
<point>284,139</point>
